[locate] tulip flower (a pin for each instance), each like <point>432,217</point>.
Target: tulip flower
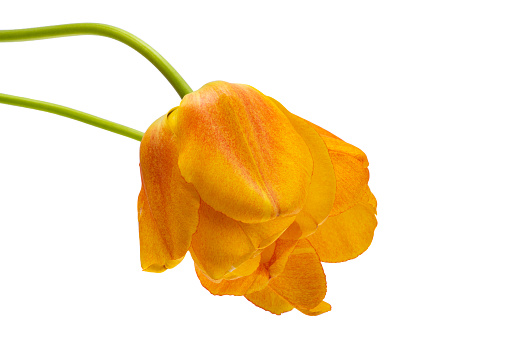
<point>257,195</point>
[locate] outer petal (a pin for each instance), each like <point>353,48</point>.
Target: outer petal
<point>173,203</point>
<point>269,263</point>
<point>267,253</point>
<point>154,252</point>
<point>282,251</point>
<point>350,165</point>
<point>346,235</point>
<point>265,233</point>
<point>321,308</point>
<point>270,301</point>
<point>349,230</point>
<point>247,268</point>
<point>369,197</point>
<point>322,190</point>
<point>219,245</point>
<point>236,132</point>
<point>302,282</point>
<point>255,281</point>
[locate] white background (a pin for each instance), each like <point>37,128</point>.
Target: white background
<point>420,86</point>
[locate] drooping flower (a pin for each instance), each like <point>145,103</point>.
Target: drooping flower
<point>258,196</point>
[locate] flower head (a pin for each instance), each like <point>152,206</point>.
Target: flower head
<point>258,195</point>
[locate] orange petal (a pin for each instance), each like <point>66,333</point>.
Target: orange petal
<point>302,283</point>
<point>322,190</point>
<point>235,132</point>
<point>346,235</point>
<point>350,165</point>
<point>269,301</point>
<point>154,252</point>
<point>173,203</point>
<point>321,308</point>
<point>257,280</point>
<point>219,245</point>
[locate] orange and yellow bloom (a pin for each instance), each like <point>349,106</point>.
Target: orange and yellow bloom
<point>258,196</point>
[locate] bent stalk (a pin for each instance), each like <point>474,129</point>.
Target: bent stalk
<point>112,32</point>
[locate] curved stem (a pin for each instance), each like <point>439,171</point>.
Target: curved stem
<point>127,38</point>
<point>72,114</point>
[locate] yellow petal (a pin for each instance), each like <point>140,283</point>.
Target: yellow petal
<point>349,230</point>
<point>302,283</point>
<point>282,250</point>
<point>219,245</point>
<point>265,233</point>
<point>369,197</point>
<point>257,280</point>
<point>346,235</point>
<point>350,165</point>
<point>294,232</point>
<point>351,178</point>
<point>248,278</point>
<point>245,269</point>
<point>321,308</point>
<point>235,132</point>
<point>154,252</point>
<point>173,203</point>
<point>323,132</point>
<point>267,252</point>
<point>270,301</point>
<point>322,190</point>
<point>261,280</point>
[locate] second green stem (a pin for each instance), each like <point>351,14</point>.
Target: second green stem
<point>72,114</point>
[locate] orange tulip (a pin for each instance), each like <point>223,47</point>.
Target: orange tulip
<point>258,196</point>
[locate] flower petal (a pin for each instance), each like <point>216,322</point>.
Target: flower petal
<point>349,230</point>
<point>257,280</point>
<point>270,301</point>
<point>248,278</point>
<point>245,269</point>
<point>219,245</point>
<point>321,308</point>
<point>267,253</point>
<point>265,233</point>
<point>369,197</point>
<point>282,251</point>
<point>302,283</point>
<point>173,203</point>
<point>261,280</point>
<point>345,236</point>
<point>154,252</point>
<point>236,132</point>
<point>350,165</point>
<point>322,190</point>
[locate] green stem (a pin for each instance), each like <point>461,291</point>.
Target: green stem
<point>127,38</point>
<point>72,114</point>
